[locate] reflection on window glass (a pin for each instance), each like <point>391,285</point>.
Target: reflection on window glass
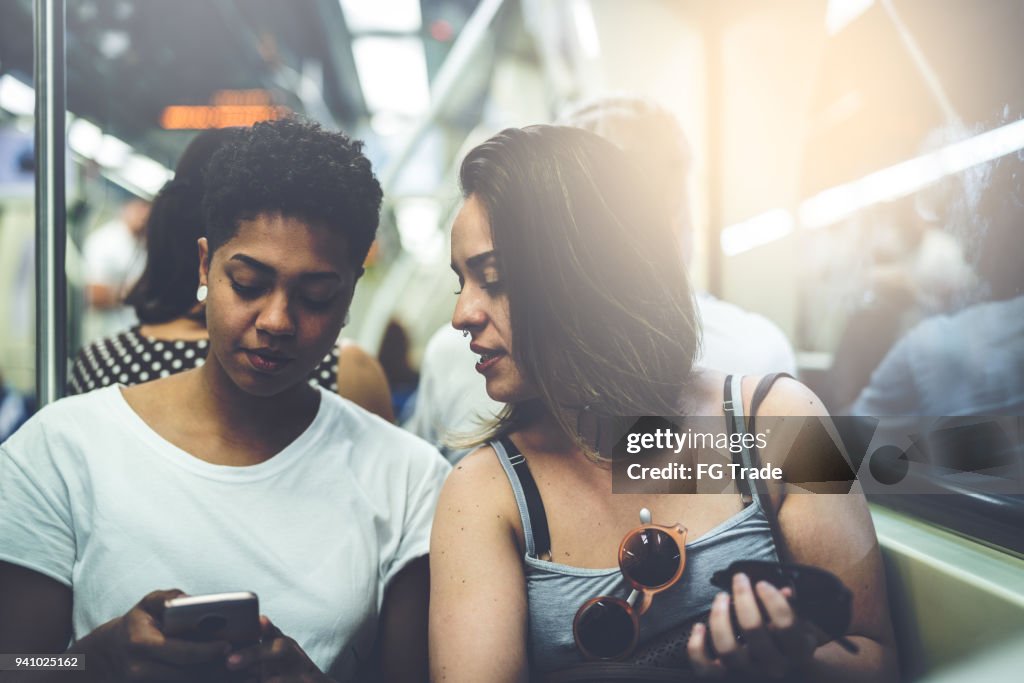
<point>912,284</point>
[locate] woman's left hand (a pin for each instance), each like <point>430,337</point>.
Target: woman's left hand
<point>277,658</point>
<point>770,649</point>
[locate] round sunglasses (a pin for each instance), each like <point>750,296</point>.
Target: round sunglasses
<point>651,558</point>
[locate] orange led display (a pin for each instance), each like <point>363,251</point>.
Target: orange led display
<point>226,108</point>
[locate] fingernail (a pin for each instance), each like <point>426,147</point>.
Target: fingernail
<point>721,601</point>
<point>742,581</point>
<point>698,628</point>
<point>234,660</point>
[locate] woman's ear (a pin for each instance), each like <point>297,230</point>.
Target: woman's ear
<point>204,261</point>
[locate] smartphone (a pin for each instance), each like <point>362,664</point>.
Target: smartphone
<point>818,595</point>
<point>232,617</point>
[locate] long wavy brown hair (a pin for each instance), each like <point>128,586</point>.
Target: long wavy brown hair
<point>602,315</point>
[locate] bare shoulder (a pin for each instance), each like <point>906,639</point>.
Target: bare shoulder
<point>479,478</point>
<point>478,491</point>
<point>802,439</point>
<point>705,392</point>
<point>787,397</point>
<point>475,560</point>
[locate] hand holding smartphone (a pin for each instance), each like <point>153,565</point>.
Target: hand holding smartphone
<point>231,617</point>
<point>817,595</point>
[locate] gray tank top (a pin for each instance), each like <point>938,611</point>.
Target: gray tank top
<point>556,591</point>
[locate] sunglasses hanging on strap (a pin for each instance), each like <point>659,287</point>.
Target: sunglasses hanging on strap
<point>651,558</point>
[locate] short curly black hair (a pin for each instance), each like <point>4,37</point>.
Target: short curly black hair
<point>295,168</point>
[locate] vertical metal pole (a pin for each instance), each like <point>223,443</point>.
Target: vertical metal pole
<point>51,217</point>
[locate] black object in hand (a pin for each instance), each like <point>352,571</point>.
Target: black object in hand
<point>818,595</point>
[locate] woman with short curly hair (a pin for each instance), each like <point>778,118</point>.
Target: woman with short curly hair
<point>237,475</point>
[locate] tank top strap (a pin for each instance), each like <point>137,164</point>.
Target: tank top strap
<point>737,424</point>
<point>528,501</point>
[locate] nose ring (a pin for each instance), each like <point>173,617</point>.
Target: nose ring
<point>465,333</point>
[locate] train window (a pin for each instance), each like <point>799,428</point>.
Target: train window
<point>913,287</point>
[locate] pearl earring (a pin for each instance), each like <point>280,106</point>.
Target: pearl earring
<point>201,293</point>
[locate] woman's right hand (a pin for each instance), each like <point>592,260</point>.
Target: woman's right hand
<point>135,649</point>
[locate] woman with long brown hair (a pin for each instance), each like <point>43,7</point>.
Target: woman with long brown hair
<point>572,294</point>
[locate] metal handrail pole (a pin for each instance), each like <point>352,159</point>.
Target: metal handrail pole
<point>50,208</point>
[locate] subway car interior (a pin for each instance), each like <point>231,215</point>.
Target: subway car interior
<point>848,176</point>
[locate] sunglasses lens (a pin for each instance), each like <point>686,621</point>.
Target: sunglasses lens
<point>651,558</point>
<point>604,629</point>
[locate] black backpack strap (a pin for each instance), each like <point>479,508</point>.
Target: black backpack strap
<point>771,510</point>
<point>534,504</point>
<point>761,392</point>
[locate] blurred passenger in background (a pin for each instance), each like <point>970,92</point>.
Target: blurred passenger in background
<point>172,336</point>
<point>734,340</point>
<point>15,409</point>
<point>970,362</point>
<point>452,400</point>
<point>237,475</point>
<point>916,269</point>
<point>114,255</point>
<point>401,376</point>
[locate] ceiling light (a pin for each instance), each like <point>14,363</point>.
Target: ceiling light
<point>16,97</point>
<point>586,28</point>
<point>398,16</point>
<point>112,152</point>
<point>907,177</point>
<point>84,138</point>
<point>393,74</point>
<point>144,173</point>
<point>754,232</point>
<point>419,220</point>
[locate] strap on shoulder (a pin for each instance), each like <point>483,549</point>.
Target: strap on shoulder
<point>770,508</point>
<point>733,407</point>
<point>761,393</point>
<point>534,504</point>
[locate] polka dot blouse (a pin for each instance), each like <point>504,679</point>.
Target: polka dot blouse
<point>131,358</point>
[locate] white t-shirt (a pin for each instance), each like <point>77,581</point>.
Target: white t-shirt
<point>113,257</point>
<point>94,498</point>
<point>739,342</point>
<point>967,363</point>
